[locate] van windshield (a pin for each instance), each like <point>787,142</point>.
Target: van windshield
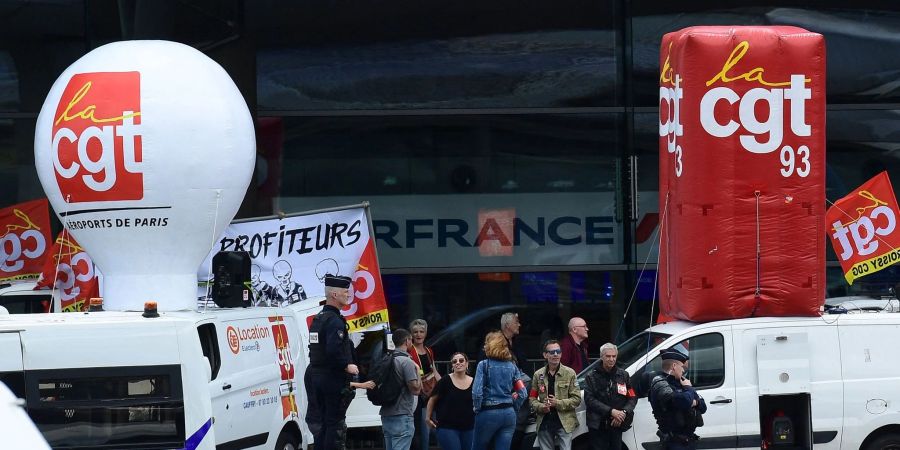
<point>632,349</point>
<point>637,346</point>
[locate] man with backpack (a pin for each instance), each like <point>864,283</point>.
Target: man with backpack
<point>397,392</point>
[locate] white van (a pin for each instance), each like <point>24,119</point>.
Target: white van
<point>219,378</point>
<point>834,379</point>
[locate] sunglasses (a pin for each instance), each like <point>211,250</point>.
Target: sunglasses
<point>458,361</point>
<point>554,352</point>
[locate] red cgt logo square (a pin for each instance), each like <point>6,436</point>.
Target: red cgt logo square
<point>97,154</point>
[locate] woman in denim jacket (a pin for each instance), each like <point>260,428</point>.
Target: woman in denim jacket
<point>497,393</point>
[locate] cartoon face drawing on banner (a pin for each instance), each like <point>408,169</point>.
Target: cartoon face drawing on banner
<point>286,291</point>
<point>262,290</point>
<point>326,266</point>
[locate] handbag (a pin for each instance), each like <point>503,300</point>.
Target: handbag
<point>428,381</point>
<point>428,384</point>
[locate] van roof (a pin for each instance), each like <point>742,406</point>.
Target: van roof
<point>20,321</point>
<point>828,319</point>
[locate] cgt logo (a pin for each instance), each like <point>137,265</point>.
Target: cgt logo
<point>20,241</point>
<point>670,95</point>
<point>97,152</point>
<point>864,231</point>
<point>234,341</point>
<point>760,136</point>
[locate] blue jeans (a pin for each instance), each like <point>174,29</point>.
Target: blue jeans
<point>450,439</point>
<point>398,431</point>
<point>497,424</point>
<point>422,424</point>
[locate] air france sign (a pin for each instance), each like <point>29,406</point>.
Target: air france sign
<point>490,230</point>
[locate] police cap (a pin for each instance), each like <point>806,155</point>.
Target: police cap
<point>337,281</point>
<point>671,353</point>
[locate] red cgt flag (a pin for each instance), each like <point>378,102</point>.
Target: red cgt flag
<point>71,270</point>
<point>24,234</point>
<point>863,228</point>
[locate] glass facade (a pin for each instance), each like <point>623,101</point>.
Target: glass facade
<point>534,123</point>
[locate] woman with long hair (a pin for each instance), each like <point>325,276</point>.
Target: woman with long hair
<point>452,403</point>
<point>497,393</point>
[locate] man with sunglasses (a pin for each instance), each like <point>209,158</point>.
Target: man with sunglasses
<point>553,398</point>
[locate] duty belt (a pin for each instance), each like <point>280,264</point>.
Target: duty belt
<point>677,438</point>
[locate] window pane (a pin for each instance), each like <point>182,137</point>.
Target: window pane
<point>706,368</point>
<point>38,40</point>
<point>469,54</point>
<point>462,308</point>
<point>444,154</point>
<point>540,189</point>
<point>114,406</point>
<point>863,55</point>
<point>18,176</point>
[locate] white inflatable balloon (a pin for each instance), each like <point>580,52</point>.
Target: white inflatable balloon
<point>145,150</point>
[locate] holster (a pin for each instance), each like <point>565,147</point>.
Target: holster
<point>348,393</point>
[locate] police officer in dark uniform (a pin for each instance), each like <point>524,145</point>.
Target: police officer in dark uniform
<point>330,363</point>
<point>677,407</point>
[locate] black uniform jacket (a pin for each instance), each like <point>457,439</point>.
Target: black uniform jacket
<point>330,347</point>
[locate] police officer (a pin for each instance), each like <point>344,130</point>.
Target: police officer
<point>330,363</point>
<point>677,407</point>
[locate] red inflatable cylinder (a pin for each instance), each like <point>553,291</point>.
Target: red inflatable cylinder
<point>741,173</point>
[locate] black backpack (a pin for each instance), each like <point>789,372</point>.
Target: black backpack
<point>388,385</point>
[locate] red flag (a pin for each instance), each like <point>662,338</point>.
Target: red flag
<point>863,228</point>
<point>24,235</point>
<point>369,306</point>
<point>70,268</point>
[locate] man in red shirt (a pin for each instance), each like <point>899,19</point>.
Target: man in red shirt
<point>574,345</point>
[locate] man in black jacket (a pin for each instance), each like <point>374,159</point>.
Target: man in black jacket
<point>677,407</point>
<point>610,401</point>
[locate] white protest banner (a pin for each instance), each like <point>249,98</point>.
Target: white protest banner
<point>291,255</point>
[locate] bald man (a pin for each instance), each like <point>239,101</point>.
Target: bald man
<point>574,345</point>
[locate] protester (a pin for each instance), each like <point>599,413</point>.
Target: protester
<point>510,326</point>
<point>397,417</point>
<point>575,346</point>
<point>497,393</point>
<point>609,399</point>
<point>449,408</point>
<point>554,396</point>
<point>423,356</point>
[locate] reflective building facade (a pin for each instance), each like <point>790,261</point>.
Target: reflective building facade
<point>508,148</point>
